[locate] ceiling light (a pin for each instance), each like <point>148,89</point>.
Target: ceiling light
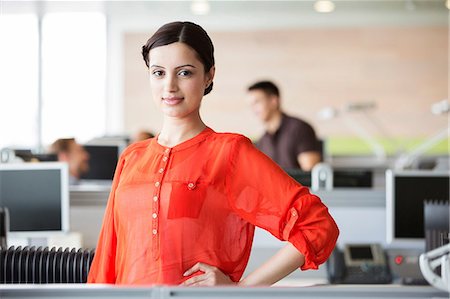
<point>447,3</point>
<point>324,6</point>
<point>200,7</point>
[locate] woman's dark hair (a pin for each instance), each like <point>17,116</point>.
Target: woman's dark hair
<point>188,33</point>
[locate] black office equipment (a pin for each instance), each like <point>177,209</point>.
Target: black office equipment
<point>303,177</point>
<point>358,264</point>
<point>28,156</point>
<point>4,226</point>
<point>45,157</point>
<point>102,161</point>
<point>342,178</point>
<point>25,154</point>
<point>406,192</point>
<point>44,265</point>
<point>352,178</point>
<point>37,197</point>
<point>437,223</point>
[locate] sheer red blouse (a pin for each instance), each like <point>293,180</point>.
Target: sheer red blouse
<point>200,201</point>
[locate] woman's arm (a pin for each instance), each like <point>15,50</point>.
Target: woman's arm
<point>267,197</point>
<point>284,262</point>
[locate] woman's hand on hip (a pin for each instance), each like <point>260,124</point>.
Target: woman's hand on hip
<point>212,276</point>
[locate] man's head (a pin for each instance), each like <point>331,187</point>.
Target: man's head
<point>264,98</point>
<point>144,135</point>
<point>68,150</point>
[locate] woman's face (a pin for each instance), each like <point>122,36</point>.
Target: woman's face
<point>178,79</point>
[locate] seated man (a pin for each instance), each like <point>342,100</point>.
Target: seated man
<point>289,141</point>
<point>68,150</point>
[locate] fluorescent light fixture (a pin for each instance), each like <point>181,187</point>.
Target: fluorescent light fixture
<point>324,6</point>
<point>200,7</point>
<point>447,3</point>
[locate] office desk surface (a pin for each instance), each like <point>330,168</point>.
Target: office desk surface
<point>322,292</point>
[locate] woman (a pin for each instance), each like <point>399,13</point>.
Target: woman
<point>183,205</point>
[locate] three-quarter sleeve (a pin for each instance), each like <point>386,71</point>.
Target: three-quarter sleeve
<point>264,195</point>
<point>103,266</point>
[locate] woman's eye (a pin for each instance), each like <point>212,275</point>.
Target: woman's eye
<point>157,73</point>
<point>184,73</point>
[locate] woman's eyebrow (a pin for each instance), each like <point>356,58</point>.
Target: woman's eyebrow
<point>184,65</point>
<point>178,67</point>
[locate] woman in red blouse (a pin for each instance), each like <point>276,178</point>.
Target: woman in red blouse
<point>184,205</point>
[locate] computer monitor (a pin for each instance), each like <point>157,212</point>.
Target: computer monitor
<point>27,155</point>
<point>37,197</point>
<point>102,162</point>
<point>342,178</point>
<point>24,154</point>
<point>352,178</point>
<point>303,177</point>
<point>406,192</point>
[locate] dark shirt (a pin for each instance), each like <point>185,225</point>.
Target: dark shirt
<point>294,136</point>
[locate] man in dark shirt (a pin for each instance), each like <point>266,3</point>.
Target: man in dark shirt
<point>289,141</point>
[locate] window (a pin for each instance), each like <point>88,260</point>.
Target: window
<point>18,80</point>
<point>73,78</point>
<point>74,66</point>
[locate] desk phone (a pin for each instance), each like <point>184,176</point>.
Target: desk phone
<point>358,264</point>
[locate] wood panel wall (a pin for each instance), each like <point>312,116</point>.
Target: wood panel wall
<point>403,70</point>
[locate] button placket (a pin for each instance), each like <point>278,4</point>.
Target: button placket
<point>156,201</point>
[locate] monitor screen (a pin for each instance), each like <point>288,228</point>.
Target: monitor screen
<point>303,177</point>
<point>342,178</point>
<point>352,178</point>
<point>36,195</point>
<point>102,161</point>
<point>406,192</point>
<point>361,253</point>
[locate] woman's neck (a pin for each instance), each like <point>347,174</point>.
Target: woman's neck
<point>176,131</point>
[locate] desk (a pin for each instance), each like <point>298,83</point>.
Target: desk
<point>322,292</point>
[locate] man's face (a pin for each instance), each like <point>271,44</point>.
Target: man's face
<point>79,158</point>
<point>262,104</point>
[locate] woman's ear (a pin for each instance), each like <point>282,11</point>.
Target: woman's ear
<point>210,76</point>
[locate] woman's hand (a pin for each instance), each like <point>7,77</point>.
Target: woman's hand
<point>212,277</point>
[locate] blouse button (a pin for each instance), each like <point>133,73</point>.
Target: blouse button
<point>155,198</point>
<point>191,186</point>
<point>154,231</point>
<point>165,159</point>
<point>294,213</point>
<point>161,170</point>
<point>154,215</point>
<point>157,184</point>
<point>167,150</point>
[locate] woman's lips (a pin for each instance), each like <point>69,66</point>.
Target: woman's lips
<point>172,100</point>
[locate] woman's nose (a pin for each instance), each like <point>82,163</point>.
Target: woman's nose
<point>170,84</point>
